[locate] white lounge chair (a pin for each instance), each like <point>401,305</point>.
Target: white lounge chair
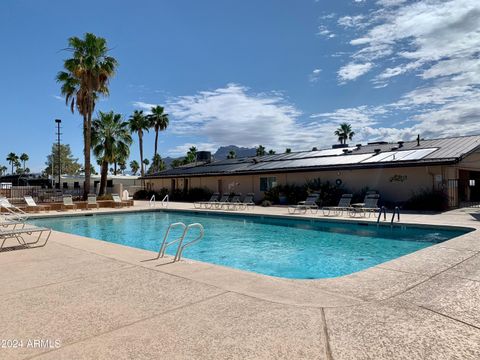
<point>343,205</point>
<point>117,201</point>
<point>20,235</point>
<point>13,212</point>
<point>92,201</point>
<point>213,198</point>
<point>222,202</point>
<point>369,205</point>
<point>68,203</point>
<point>234,203</point>
<point>310,203</point>
<point>31,204</point>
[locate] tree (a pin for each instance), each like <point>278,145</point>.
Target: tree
<point>344,133</point>
<point>111,142</point>
<point>139,123</point>
<point>24,158</point>
<point>146,162</point>
<point>271,152</point>
<point>232,154</point>
<point>159,121</point>
<point>134,166</point>
<point>3,170</point>
<point>288,151</point>
<point>157,164</point>
<point>314,148</point>
<point>191,155</point>
<point>122,166</point>
<point>85,77</point>
<point>69,164</point>
<point>18,165</point>
<point>260,150</point>
<point>12,158</point>
<point>176,163</point>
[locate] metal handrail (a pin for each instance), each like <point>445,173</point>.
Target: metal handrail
<point>384,211</point>
<point>395,211</point>
<point>165,201</point>
<point>165,244</point>
<point>181,247</point>
<point>152,201</point>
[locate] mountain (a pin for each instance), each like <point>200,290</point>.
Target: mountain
<point>223,151</point>
<point>220,154</point>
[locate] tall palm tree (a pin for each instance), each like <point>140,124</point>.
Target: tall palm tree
<point>191,155</point>
<point>344,133</point>
<point>159,121</point>
<point>134,166</point>
<point>139,123</point>
<point>232,154</point>
<point>85,77</point>
<point>111,142</point>
<point>24,158</point>
<point>12,158</point>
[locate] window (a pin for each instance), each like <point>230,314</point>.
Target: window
<point>266,183</point>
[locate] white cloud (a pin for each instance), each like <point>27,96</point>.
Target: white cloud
<point>235,115</point>
<point>352,71</point>
<point>146,107</point>
<point>324,31</point>
<point>357,21</point>
<point>314,75</point>
<point>438,41</point>
<point>181,150</point>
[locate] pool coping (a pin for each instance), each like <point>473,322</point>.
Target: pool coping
<point>381,282</point>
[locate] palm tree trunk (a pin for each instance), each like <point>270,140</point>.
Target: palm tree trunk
<point>115,168</point>
<point>156,141</point>
<point>87,127</point>
<point>12,167</point>
<point>140,142</point>
<point>103,178</point>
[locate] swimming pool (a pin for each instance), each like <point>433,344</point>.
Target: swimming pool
<point>289,248</point>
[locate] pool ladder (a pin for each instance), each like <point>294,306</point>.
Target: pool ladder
<point>383,210</point>
<point>181,246</point>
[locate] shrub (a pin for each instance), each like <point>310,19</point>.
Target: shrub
<point>329,193</point>
<point>427,200</point>
<point>147,194</point>
<point>266,203</point>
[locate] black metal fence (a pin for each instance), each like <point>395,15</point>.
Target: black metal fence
<point>463,193</point>
<point>16,194</point>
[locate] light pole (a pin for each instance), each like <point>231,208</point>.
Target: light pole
<point>58,121</point>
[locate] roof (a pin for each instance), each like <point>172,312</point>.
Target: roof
<point>429,152</point>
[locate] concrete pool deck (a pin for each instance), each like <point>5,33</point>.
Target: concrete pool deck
<point>103,301</point>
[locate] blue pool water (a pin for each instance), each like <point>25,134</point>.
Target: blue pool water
<point>300,249</point>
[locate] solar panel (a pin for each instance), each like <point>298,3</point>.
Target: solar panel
<point>403,155</point>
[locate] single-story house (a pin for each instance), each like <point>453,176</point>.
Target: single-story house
<point>395,170</point>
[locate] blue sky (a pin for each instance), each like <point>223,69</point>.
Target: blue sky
<point>277,72</point>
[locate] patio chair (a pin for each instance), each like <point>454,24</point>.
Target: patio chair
<point>222,202</point>
<point>343,205</point>
<point>13,212</point>
<point>369,205</point>
<point>310,203</point>
<point>20,236</point>
<point>32,205</point>
<point>92,201</point>
<point>234,203</point>
<point>213,198</point>
<point>68,203</point>
<point>247,202</point>
<point>117,201</point>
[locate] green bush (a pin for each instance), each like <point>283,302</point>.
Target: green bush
<point>329,193</point>
<point>427,200</point>
<point>147,194</point>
